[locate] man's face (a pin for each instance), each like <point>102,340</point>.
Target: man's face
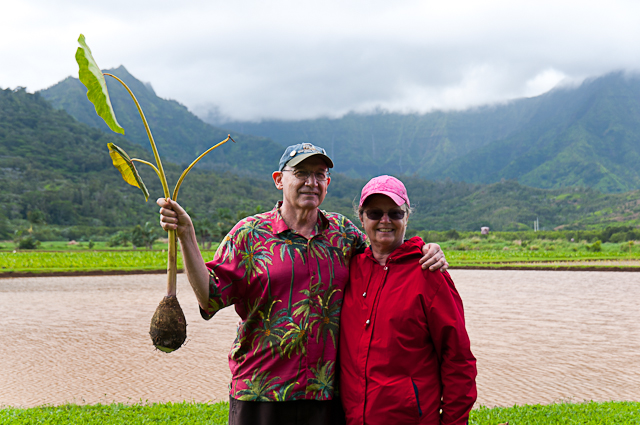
<point>300,194</point>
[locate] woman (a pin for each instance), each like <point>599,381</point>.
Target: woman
<point>404,350</point>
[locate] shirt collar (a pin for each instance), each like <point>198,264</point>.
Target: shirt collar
<point>280,226</point>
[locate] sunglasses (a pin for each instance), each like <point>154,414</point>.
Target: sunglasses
<point>376,214</point>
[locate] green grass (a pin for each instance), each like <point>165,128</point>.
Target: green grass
<point>60,261</point>
<point>492,251</point>
<point>615,412</point>
<point>486,252</point>
<point>118,413</point>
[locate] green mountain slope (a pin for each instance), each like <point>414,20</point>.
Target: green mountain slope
<point>588,136</point>
<point>368,145</point>
<point>57,168</point>
<point>179,135</point>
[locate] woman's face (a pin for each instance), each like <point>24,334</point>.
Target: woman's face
<point>385,233</point>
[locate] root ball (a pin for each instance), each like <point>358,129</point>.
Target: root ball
<point>168,325</point>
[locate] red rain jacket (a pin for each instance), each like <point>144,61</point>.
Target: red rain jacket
<point>404,349</point>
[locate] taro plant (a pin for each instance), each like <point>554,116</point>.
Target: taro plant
<point>168,325</point>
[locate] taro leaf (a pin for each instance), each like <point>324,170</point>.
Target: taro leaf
<point>124,164</point>
<point>97,92</point>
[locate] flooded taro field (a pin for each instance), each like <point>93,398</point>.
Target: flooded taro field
<point>539,337</point>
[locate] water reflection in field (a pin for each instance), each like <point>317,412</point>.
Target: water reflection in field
<point>539,336</point>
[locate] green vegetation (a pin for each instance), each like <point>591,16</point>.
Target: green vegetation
<point>57,177</point>
<point>495,250</point>
<point>83,260</point>
<point>57,180</point>
<point>588,413</point>
<point>585,136</point>
<point>545,249</point>
<point>179,135</point>
<point>118,413</point>
<point>613,412</point>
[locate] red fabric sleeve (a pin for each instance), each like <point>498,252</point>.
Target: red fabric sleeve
<point>227,273</point>
<point>457,364</point>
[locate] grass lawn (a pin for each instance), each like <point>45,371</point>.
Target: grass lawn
<point>615,412</point>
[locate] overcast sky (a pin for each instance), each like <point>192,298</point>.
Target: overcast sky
<point>303,59</point>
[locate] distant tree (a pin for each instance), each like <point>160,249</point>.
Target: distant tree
<point>120,238</point>
<point>144,235</point>
<point>224,222</point>
<point>452,234</point>
<point>36,217</point>
<point>4,228</point>
<point>24,239</point>
<point>204,232</point>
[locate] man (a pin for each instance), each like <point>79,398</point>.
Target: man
<point>285,271</point>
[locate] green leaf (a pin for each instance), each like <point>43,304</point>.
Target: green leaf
<point>91,76</point>
<point>124,164</point>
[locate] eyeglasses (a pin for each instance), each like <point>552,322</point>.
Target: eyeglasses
<point>304,175</point>
<point>376,214</point>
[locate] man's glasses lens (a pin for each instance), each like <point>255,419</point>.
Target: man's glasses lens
<point>304,175</point>
<point>378,214</point>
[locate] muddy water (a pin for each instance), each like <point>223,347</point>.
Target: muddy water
<point>539,336</point>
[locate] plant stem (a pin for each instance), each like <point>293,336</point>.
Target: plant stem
<point>185,172</point>
<point>149,164</point>
<point>172,259</point>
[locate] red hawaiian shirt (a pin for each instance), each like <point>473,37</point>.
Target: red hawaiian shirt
<point>288,291</point>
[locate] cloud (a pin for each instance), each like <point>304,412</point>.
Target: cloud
<point>301,59</point>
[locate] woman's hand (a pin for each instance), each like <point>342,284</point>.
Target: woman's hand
<point>433,258</point>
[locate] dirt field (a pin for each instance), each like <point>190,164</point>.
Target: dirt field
<point>539,336</point>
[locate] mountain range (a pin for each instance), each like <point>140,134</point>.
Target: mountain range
<point>179,135</point>
<point>56,170</point>
<point>571,136</point>
<point>586,136</point>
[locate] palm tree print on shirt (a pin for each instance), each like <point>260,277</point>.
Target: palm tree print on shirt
<point>288,292</point>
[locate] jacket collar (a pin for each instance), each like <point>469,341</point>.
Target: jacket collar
<point>409,248</point>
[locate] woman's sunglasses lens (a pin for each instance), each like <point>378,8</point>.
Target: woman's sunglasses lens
<point>396,215</point>
<point>374,214</point>
<point>377,214</point>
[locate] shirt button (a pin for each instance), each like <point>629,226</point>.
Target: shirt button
<point>367,322</point>
<point>386,268</point>
<point>364,294</point>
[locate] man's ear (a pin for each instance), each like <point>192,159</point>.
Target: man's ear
<point>328,181</point>
<point>277,179</point>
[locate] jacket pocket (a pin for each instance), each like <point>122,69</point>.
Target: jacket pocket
<point>416,392</point>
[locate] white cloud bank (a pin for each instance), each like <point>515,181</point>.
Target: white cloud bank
<point>302,59</point>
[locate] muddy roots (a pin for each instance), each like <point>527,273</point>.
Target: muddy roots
<point>168,325</point>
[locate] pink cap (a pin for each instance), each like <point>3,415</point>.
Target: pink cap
<point>386,185</point>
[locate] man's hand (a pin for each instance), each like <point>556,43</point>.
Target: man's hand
<point>433,258</point>
<point>174,217</point>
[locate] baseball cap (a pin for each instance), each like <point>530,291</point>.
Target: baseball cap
<point>386,185</point>
<point>295,154</point>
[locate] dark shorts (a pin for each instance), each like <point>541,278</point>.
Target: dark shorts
<point>298,412</point>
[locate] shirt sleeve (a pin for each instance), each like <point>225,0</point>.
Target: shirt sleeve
<point>360,240</point>
<point>457,363</point>
<point>227,273</point>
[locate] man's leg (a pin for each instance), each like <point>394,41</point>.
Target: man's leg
<point>299,412</point>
